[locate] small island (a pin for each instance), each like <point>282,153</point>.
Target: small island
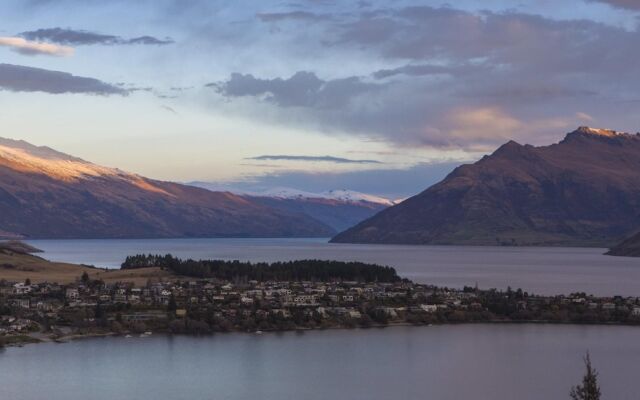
<point>165,294</point>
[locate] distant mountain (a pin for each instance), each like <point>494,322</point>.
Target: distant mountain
<point>339,209</point>
<point>338,214</point>
<point>629,247</point>
<point>48,194</point>
<point>342,195</point>
<point>582,191</point>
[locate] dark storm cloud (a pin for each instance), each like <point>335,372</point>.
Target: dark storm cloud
<point>75,37</point>
<point>337,160</point>
<point>303,89</point>
<point>18,78</point>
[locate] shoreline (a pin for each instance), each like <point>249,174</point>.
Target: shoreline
<point>79,336</point>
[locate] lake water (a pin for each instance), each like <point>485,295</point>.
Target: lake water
<point>493,362</point>
<point>543,270</point>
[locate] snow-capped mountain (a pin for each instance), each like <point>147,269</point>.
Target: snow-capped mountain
<point>339,209</point>
<point>342,195</point>
<point>348,196</point>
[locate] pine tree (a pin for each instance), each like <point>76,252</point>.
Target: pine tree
<point>172,306</point>
<point>589,390</point>
<point>85,277</point>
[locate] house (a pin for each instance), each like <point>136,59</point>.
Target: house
<point>72,294</point>
<point>347,298</point>
<point>24,303</point>
<point>283,312</point>
<point>305,300</point>
<point>430,308</point>
<point>120,298</point>
<point>609,306</point>
<point>21,288</point>
<point>144,316</point>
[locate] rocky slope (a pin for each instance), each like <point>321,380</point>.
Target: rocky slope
<point>629,247</point>
<point>583,191</point>
<point>47,194</point>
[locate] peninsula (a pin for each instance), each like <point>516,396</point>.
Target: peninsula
<point>153,293</point>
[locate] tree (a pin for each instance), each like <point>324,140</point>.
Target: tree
<point>85,277</point>
<point>99,312</point>
<point>589,390</point>
<point>172,306</point>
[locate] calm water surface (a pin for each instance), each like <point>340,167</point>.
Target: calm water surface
<point>488,362</point>
<point>538,269</point>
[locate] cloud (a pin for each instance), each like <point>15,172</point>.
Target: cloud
<point>291,15</point>
<point>303,89</point>
<point>428,69</point>
<point>482,123</point>
<point>449,78</point>
<point>625,4</point>
<point>390,183</point>
<point>585,116</point>
<point>337,160</point>
<point>18,78</point>
<point>74,37</point>
<point>169,109</point>
<point>31,48</point>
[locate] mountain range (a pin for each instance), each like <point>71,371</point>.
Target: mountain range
<point>48,194</point>
<point>584,190</point>
<point>339,209</point>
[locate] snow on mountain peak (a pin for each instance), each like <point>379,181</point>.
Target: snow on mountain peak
<point>25,157</point>
<point>343,195</point>
<point>348,196</point>
<point>598,131</point>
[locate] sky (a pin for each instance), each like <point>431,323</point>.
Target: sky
<point>384,97</point>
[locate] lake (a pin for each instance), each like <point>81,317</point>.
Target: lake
<point>543,270</point>
<point>497,362</point>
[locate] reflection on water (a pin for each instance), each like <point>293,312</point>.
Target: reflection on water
<point>525,362</point>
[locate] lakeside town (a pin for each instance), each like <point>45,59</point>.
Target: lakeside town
<point>34,312</point>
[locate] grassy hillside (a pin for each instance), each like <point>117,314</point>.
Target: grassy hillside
<point>17,267</point>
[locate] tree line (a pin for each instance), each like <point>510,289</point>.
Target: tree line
<point>300,270</point>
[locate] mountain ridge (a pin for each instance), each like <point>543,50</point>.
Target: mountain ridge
<point>583,190</point>
<point>48,194</point>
